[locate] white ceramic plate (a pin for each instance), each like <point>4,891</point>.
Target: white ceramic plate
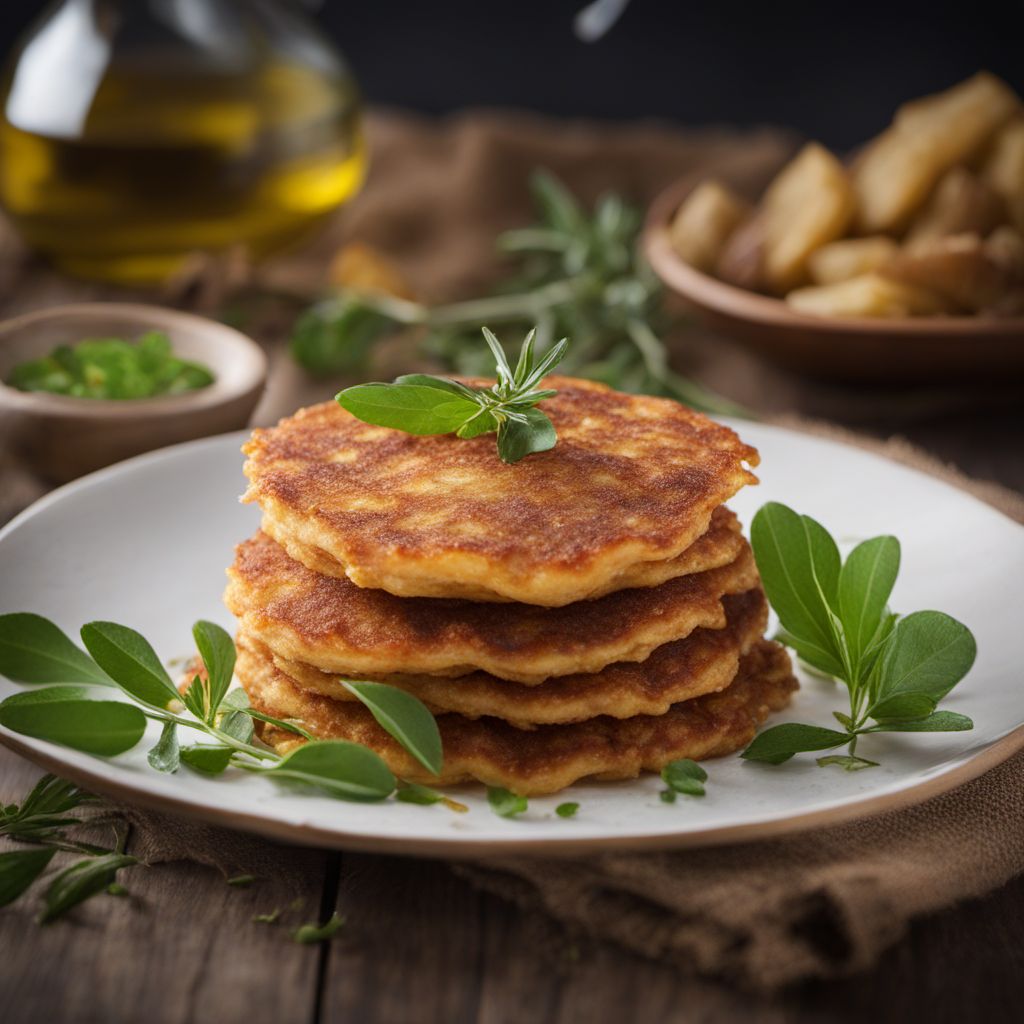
<point>146,542</point>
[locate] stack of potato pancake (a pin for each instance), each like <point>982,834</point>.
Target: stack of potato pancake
<point>592,610</point>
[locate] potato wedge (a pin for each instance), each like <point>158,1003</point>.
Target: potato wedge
<point>868,295</point>
<point>1003,170</point>
<point>957,267</point>
<point>961,203</point>
<point>703,223</point>
<point>896,173</point>
<point>742,259</point>
<point>810,203</point>
<point>850,257</point>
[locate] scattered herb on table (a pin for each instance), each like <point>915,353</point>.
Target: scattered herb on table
<point>45,820</point>
<point>308,934</point>
<point>112,368</point>
<point>421,404</point>
<point>34,650</point>
<point>579,274</point>
<point>835,616</point>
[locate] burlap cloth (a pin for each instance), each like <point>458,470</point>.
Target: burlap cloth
<point>763,914</point>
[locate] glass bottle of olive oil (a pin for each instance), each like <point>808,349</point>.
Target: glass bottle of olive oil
<point>136,132</point>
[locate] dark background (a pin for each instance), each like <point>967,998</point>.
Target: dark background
<point>832,70</point>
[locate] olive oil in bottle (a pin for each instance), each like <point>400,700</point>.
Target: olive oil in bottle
<point>136,132</point>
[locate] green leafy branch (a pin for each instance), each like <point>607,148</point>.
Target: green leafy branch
<point>579,274</point>
<point>835,616</point>
<point>421,404</point>
<point>33,650</point>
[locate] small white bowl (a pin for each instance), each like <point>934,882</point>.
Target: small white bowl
<point>61,438</point>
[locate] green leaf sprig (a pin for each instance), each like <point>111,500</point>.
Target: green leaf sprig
<point>835,616</point>
<point>577,273</point>
<point>65,710</point>
<point>418,403</point>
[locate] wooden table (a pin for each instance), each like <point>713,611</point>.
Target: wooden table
<point>421,945</point>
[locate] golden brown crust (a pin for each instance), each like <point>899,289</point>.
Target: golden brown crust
<point>633,479</point>
<point>704,662</point>
<point>343,629</point>
<point>550,757</point>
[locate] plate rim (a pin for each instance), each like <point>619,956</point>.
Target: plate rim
<point>465,848</point>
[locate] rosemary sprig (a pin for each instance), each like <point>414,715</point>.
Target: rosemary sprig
<point>578,274</point>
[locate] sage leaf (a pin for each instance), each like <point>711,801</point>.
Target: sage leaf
<point>59,715</point>
<point>482,422</point>
<point>166,755</point>
<point>412,408</point>
<point>533,433</point>
<point>865,583</point>
<point>344,769</point>
<point>799,565</point>
<point>505,803</point>
<point>413,793</point>
<point>77,883</point>
<point>19,869</point>
<point>217,650</point>
<point>850,762</point>
<point>234,720</point>
<point>781,742</point>
<point>206,758</point>
<point>685,776</point>
<point>128,659</point>
<point>405,718</point>
<point>446,384</point>
<point>939,721</point>
<point>929,653</point>
<point>34,650</point>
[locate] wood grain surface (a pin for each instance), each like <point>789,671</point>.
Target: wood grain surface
<point>419,944</point>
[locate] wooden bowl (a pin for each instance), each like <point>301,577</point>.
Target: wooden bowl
<point>61,438</point>
<point>848,349</point>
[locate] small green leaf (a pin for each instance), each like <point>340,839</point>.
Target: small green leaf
<point>412,793</point>
<point>903,706</point>
<point>270,918</point>
<point>217,650</point>
<point>505,803</point>
<point>531,433</point>
<point>234,720</point>
<point>506,377</point>
<point>865,583</point>
<point>281,723</point>
<point>567,810</point>
<point>481,423</point>
<point>205,758</point>
<point>19,869</point>
<point>781,742</point>
<point>940,721</point>
<point>128,659</point>
<point>346,770</point>
<point>80,881</point>
<point>412,408</point>
<point>928,653</point>
<point>844,720</point>
<point>57,714</point>
<point>405,718</point>
<point>799,565</point>
<point>194,698</point>
<point>166,756</point>
<point>668,796</point>
<point>308,934</point>
<point>34,650</point>
<point>452,387</point>
<point>850,762</point>
<point>685,776</point>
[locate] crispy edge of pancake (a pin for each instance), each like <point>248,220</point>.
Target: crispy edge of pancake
<point>704,662</point>
<point>375,559</point>
<point>551,757</point>
<point>375,646</point>
<point>700,556</point>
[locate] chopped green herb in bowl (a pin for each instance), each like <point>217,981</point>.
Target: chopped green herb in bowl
<point>112,368</point>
